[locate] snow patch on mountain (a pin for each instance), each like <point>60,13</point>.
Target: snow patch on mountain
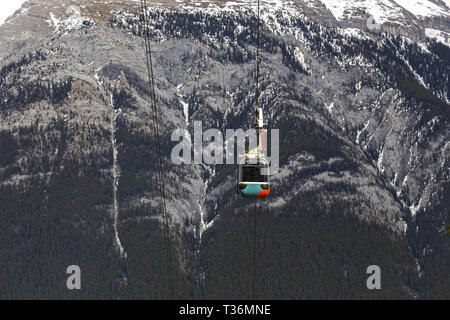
<point>330,107</point>
<point>353,32</point>
<point>441,36</point>
<point>232,5</point>
<point>116,176</point>
<point>385,10</point>
<point>381,10</point>
<point>358,135</point>
<point>423,8</point>
<point>75,21</point>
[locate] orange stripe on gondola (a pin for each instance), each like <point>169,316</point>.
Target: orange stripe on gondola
<point>263,140</point>
<point>263,194</point>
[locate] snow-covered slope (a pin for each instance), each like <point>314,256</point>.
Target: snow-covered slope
<point>423,8</point>
<point>384,10</point>
<point>381,10</point>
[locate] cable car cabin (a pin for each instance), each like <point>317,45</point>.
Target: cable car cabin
<point>251,182</point>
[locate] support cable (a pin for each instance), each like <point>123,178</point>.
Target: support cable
<point>254,254</point>
<point>258,40</point>
<point>161,185</point>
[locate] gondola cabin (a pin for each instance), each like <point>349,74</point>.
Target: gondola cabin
<point>252,183</point>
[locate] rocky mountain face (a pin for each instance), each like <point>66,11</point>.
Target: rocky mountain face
<point>363,118</point>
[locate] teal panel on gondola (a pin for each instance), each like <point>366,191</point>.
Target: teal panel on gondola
<point>251,190</point>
